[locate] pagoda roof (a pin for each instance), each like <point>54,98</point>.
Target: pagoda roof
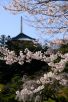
<point>23,37</point>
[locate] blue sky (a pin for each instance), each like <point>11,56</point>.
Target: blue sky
<point>10,25</point>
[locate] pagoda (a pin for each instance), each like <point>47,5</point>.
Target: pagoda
<point>22,36</point>
<point>22,41</point>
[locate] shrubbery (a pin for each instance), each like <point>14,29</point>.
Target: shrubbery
<point>11,77</point>
<point>66,68</point>
<point>8,93</point>
<point>64,48</point>
<point>46,77</point>
<point>22,45</point>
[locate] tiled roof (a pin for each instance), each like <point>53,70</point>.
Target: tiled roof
<point>22,36</point>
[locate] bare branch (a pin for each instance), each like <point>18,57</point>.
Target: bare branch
<point>43,14</point>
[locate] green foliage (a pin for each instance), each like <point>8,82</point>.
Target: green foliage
<point>55,93</point>
<point>64,48</point>
<point>8,71</point>
<point>11,75</point>
<point>1,87</point>
<point>57,60</point>
<point>49,92</point>
<point>8,93</point>
<point>16,82</point>
<point>49,100</point>
<point>21,45</point>
<point>62,94</point>
<point>66,68</point>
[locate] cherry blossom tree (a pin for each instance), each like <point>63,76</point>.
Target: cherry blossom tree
<point>50,17</point>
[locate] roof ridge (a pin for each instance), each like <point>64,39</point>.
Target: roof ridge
<point>22,35</point>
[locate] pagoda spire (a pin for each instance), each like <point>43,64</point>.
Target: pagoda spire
<point>21,25</point>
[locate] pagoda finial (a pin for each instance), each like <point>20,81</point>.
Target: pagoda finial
<point>21,25</point>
